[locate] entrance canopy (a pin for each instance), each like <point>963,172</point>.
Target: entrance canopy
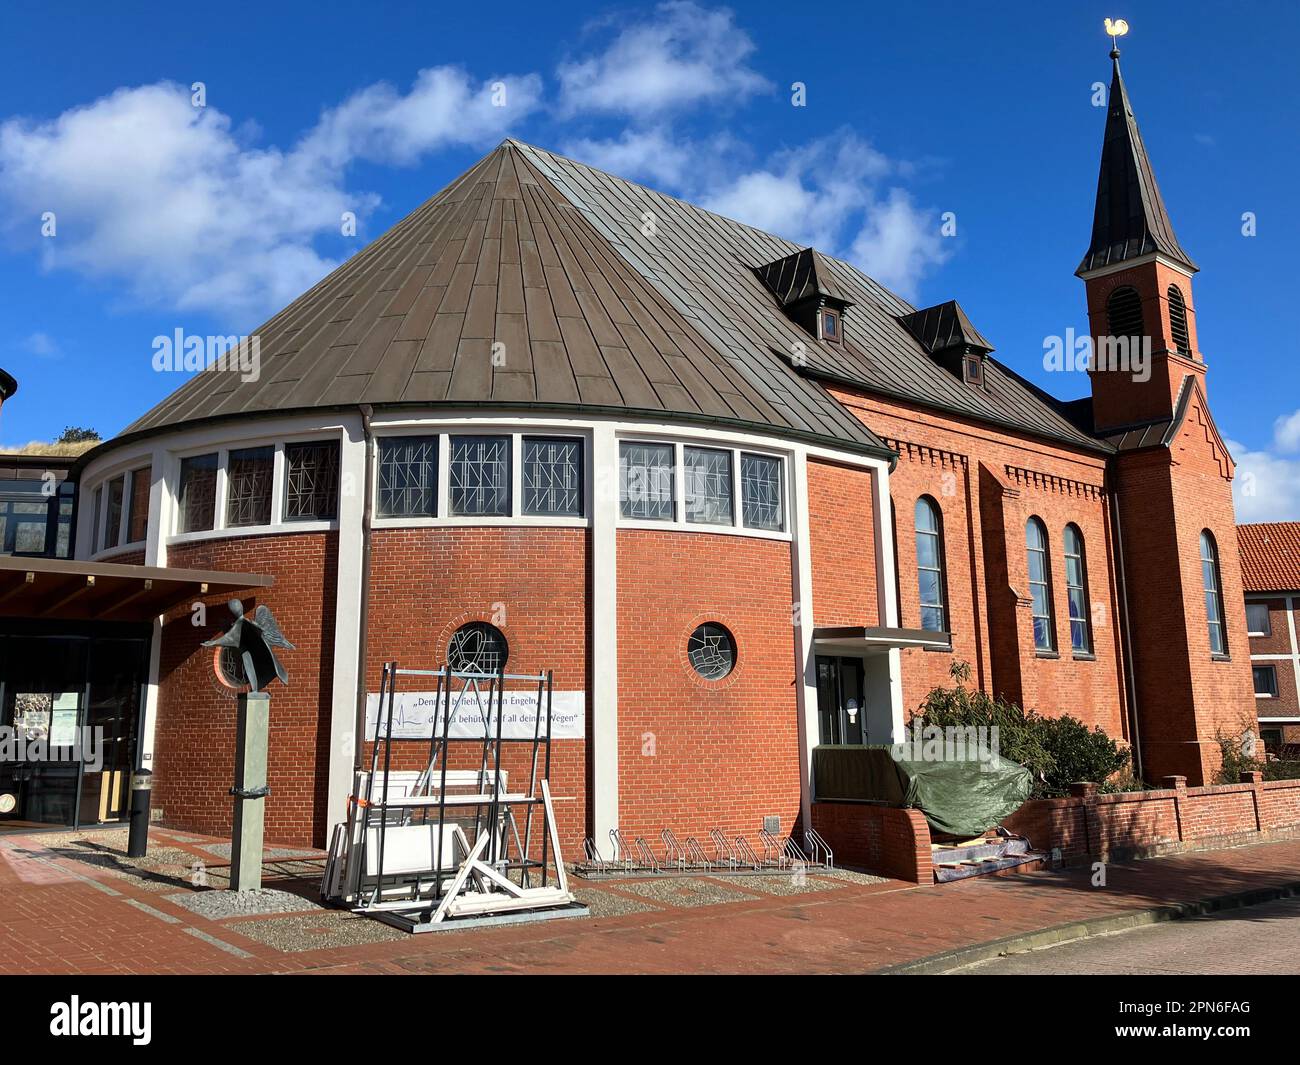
<point>61,590</point>
<point>874,639</point>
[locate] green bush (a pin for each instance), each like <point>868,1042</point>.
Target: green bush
<point>1056,750</point>
<point>1240,755</point>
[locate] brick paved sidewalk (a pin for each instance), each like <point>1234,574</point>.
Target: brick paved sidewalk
<point>74,904</point>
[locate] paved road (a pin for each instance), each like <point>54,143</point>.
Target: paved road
<point>1258,939</point>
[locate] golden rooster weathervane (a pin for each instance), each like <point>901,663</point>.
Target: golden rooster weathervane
<point>1116,28</point>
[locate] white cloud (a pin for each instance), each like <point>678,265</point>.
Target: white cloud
<point>898,244</point>
<point>682,56</point>
<point>656,158</point>
<point>1286,432</point>
<point>444,107</point>
<point>1267,485</point>
<point>42,345</point>
<point>835,194</point>
<point>169,200</point>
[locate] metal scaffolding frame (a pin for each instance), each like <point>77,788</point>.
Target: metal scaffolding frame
<point>488,872</point>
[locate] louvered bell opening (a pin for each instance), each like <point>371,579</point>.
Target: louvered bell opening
<point>1124,313</point>
<point>1178,321</point>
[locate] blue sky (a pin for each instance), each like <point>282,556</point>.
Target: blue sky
<point>210,218</point>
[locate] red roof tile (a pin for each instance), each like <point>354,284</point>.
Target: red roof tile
<point>1270,556</point>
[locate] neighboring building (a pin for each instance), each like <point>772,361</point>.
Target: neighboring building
<point>738,496</point>
<point>1270,566</point>
<point>36,505</point>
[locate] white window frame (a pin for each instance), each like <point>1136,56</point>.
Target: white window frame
<point>1268,615</point>
<point>220,529</point>
<point>678,521</point>
<point>444,431</point>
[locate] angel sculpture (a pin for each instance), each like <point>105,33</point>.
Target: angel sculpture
<point>252,639</point>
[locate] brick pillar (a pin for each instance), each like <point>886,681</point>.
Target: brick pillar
<point>1086,791</point>
<point>1254,778</point>
<point>1178,785</point>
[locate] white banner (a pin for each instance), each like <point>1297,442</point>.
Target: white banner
<point>415,714</point>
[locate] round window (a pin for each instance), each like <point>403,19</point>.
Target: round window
<point>478,648</point>
<point>712,651</point>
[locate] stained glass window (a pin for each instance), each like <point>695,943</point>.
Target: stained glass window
<point>708,485</point>
<point>311,490</point>
<point>552,476</point>
<point>1040,588</point>
<point>478,648</point>
<point>712,651</point>
<point>249,473</point>
<point>929,564</point>
<point>479,475</point>
<point>198,493</point>
<point>645,481</point>
<point>408,476</point>
<point>760,491</point>
<point>1076,590</point>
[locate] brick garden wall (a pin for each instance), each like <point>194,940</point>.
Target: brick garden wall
<point>1088,826</point>
<point>194,739</point>
<point>885,840</point>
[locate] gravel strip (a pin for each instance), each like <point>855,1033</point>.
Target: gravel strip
<point>690,891</point>
<point>852,877</point>
<point>219,905</point>
<point>787,884</point>
<point>606,903</point>
<point>222,850</point>
<point>318,931</point>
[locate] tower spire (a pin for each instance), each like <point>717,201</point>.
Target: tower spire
<point>1129,219</point>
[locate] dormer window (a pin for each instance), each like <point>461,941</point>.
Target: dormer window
<point>947,335</point>
<point>830,325</point>
<point>804,285</point>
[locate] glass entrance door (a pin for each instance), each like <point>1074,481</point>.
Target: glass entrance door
<point>69,707</point>
<point>840,712</point>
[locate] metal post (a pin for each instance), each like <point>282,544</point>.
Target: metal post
<point>141,794</point>
<point>250,791</point>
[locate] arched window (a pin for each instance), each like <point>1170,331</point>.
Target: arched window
<point>929,565</point>
<point>1178,321</point>
<point>1076,590</point>
<point>1213,595</point>
<point>1040,585</point>
<point>478,648</point>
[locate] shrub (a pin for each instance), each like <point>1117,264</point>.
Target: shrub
<point>1056,750</point>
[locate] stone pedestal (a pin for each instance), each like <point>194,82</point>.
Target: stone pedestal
<point>249,791</point>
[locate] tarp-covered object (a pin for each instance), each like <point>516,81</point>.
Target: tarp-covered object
<point>961,797</point>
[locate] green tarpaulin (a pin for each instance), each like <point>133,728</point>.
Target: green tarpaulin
<point>961,797</point>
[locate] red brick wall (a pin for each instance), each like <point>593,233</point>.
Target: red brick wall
<point>987,483</point>
<point>1159,822</point>
<point>194,739</point>
<point>529,582</point>
<point>695,754</point>
<point>842,539</point>
<point>884,840</point>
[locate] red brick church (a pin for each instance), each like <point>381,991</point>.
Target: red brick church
<point>741,499</point>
